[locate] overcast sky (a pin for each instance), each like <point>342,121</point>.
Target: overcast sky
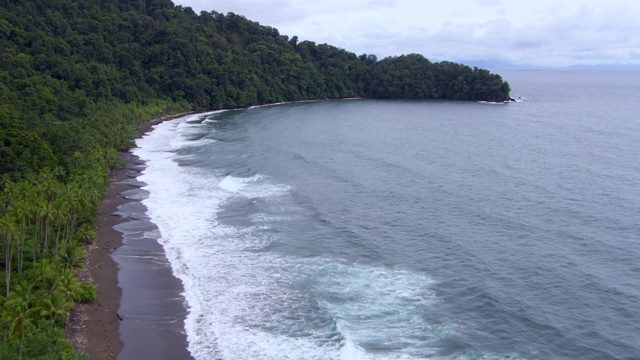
<point>541,32</point>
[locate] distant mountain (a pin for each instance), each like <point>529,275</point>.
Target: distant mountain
<point>605,67</point>
<point>506,65</point>
<point>499,64</point>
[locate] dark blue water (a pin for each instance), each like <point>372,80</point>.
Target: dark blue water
<point>409,229</point>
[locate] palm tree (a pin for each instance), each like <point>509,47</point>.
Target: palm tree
<point>8,234</point>
<point>71,194</point>
<point>46,276</point>
<point>22,214</point>
<point>18,313</point>
<point>49,190</point>
<point>9,193</point>
<point>36,208</point>
<point>70,284</point>
<point>48,212</point>
<point>86,233</point>
<point>56,307</point>
<point>72,256</point>
<point>61,214</point>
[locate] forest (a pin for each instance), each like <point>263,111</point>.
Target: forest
<point>77,79</point>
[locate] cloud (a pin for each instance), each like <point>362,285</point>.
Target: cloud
<point>546,32</point>
<point>384,3</point>
<point>266,12</point>
<point>586,35</point>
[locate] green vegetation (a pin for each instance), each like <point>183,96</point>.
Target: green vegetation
<point>77,78</point>
<point>47,216</point>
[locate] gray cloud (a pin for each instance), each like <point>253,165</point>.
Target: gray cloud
<point>545,32</point>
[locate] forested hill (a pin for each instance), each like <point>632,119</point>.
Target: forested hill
<point>61,58</point>
<point>138,50</point>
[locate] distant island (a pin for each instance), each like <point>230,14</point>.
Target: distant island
<point>77,80</point>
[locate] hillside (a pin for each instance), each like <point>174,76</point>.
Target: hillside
<point>62,58</point>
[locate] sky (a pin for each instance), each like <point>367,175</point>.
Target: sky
<point>539,32</point>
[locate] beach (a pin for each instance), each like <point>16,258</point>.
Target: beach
<point>139,309</point>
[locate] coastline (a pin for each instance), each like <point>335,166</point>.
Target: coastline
<point>139,310</point>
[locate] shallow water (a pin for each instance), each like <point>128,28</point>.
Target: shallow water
<point>371,229</point>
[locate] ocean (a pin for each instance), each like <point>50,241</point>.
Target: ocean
<point>408,229</point>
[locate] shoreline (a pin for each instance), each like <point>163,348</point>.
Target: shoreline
<point>139,310</point>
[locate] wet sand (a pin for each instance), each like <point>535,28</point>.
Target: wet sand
<point>139,309</point>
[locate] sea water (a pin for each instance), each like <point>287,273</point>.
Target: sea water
<point>378,229</point>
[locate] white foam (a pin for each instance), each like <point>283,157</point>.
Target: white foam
<point>378,305</point>
<point>153,234</point>
<point>248,303</point>
<point>266,218</point>
<point>233,184</point>
<point>200,142</point>
<point>209,259</point>
<point>289,102</point>
<point>200,116</point>
<point>254,186</point>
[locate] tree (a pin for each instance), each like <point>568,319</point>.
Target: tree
<point>72,256</point>
<point>8,233</point>
<point>56,307</point>
<point>22,213</point>
<point>48,211</point>
<point>19,314</point>
<point>69,284</point>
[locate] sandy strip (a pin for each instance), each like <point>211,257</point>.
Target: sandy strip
<point>139,311</point>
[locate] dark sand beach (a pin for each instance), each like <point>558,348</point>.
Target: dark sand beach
<point>139,311</point>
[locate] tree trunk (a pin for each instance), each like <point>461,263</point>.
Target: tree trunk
<point>35,241</point>
<point>20,254</point>
<point>21,342</point>
<point>7,266</point>
<point>57,241</point>
<point>47,234</point>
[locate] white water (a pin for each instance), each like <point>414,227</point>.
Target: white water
<point>246,302</point>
